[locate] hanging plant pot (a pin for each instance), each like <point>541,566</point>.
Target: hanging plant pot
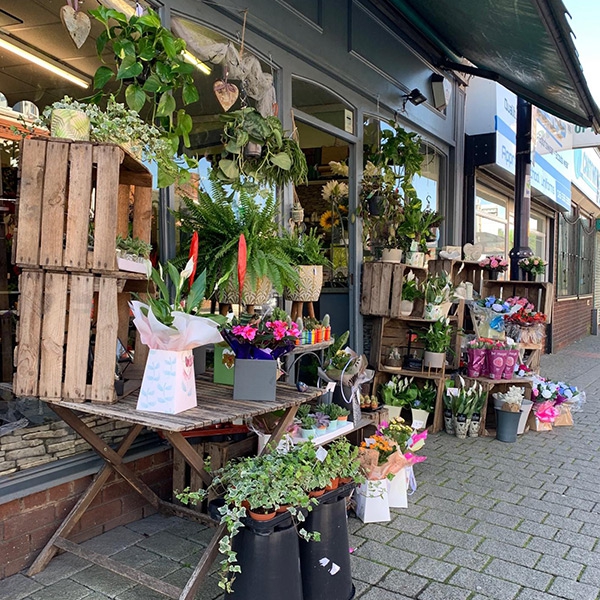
<point>252,150</point>
<point>391,255</point>
<point>375,205</point>
<point>434,360</point>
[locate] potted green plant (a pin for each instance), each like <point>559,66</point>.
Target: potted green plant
<point>423,404</point>
<point>437,292</point>
<point>308,426</point>
<point>437,339</point>
<point>410,293</point>
<point>118,124</point>
<point>150,69</point>
<point>305,253</point>
<point>220,218</point>
<point>257,152</point>
<point>397,393</point>
<point>133,255</point>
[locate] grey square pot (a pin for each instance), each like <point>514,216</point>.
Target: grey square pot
<point>255,380</point>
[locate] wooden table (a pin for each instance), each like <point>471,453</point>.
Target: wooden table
<point>215,405</point>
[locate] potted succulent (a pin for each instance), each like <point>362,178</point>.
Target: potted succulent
<point>220,219</point>
<point>410,293</point>
<point>305,253</point>
<point>257,152</point>
<point>133,255</point>
<point>437,339</point>
<point>308,424</point>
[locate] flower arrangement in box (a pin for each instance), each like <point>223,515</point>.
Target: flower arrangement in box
<point>494,265</point>
<point>488,316</point>
<point>533,265</point>
<point>397,430</point>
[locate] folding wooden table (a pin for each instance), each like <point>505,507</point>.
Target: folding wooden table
<point>215,405</point>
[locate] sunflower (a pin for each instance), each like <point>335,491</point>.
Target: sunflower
<point>327,220</point>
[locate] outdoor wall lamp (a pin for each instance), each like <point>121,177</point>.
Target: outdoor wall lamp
<point>415,97</point>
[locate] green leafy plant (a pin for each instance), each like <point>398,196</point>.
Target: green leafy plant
<point>304,248</point>
<point>281,161</point>
<point>438,336</point>
<point>410,288</point>
<point>437,288</point>
<point>220,218</point>
<point>399,391</point>
<point>134,246</point>
<point>426,397</point>
<point>150,68</point>
<point>308,422</point>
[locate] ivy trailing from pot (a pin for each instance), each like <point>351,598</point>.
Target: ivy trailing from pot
<point>257,152</point>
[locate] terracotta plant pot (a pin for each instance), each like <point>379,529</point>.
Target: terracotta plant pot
<point>257,516</point>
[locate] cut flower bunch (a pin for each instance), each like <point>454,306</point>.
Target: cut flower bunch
<point>533,264</point>
<point>494,263</point>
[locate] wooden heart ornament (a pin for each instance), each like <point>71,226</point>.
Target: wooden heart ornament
<point>473,252</point>
<point>226,93</point>
<point>76,23</point>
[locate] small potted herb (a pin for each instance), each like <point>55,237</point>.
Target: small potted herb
<point>133,255</point>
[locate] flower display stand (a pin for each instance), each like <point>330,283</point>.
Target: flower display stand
<point>73,307</point>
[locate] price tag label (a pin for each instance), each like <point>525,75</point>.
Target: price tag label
<point>321,453</point>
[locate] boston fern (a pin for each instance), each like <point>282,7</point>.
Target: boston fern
<point>220,219</point>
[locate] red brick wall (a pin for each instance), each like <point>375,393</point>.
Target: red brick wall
<point>571,321</point>
<point>27,524</point>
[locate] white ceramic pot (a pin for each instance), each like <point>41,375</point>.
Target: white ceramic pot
<point>406,307</point>
<point>434,360</point>
<point>393,411</point>
<point>391,255</point>
<point>419,418</point>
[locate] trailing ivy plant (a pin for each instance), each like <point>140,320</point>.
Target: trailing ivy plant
<point>150,69</point>
<point>281,160</point>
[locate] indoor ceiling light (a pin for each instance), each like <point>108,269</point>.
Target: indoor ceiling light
<point>190,58</point>
<point>415,97</point>
<point>37,58</point>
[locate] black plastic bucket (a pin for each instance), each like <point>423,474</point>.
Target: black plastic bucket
<point>268,554</point>
<point>325,565</point>
<point>507,424</point>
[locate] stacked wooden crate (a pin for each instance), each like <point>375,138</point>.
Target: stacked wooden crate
<point>73,306</point>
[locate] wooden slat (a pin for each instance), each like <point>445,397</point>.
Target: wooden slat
<point>365,297</point>
<point>103,378</point>
<point>376,339</point>
<point>78,337</point>
<point>108,160</point>
<point>33,161</point>
<point>385,286</point>
<point>30,326</point>
<point>142,213</point>
<point>78,206</point>
<point>53,335</point>
<point>54,204</point>
<point>396,289</point>
<point>123,210</point>
<point>158,585</point>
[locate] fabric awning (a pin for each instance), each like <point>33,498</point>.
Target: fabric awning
<point>525,45</point>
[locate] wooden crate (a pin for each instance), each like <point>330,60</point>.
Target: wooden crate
<point>72,192</point>
<point>459,271</point>
<point>382,287</point>
<point>540,294</point>
<point>69,324</point>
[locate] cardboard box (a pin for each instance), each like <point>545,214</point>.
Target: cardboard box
<point>372,503</point>
<point>224,367</point>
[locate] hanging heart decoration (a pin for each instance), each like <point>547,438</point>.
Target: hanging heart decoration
<point>226,93</point>
<point>76,23</point>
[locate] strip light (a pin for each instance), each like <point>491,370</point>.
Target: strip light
<point>190,58</point>
<point>40,60</point>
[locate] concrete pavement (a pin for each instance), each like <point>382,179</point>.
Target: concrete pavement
<point>488,520</point>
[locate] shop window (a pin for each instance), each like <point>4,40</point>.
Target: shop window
<point>491,222</point>
<point>323,104</point>
<point>575,275</point>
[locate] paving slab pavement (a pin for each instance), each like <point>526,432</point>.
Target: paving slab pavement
<point>489,520</point>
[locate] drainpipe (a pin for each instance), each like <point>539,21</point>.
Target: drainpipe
<point>522,189</point>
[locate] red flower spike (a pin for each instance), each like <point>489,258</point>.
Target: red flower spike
<point>241,266</point>
<point>193,254</point>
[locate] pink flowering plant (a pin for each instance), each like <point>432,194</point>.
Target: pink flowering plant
<point>533,264</point>
<point>494,263</point>
<point>252,337</point>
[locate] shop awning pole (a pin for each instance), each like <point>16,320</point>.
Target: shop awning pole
<point>521,247</point>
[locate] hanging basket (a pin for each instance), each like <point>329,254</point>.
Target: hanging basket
<point>259,293</point>
<point>309,288</point>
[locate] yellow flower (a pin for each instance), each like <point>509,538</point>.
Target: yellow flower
<point>327,221</point>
